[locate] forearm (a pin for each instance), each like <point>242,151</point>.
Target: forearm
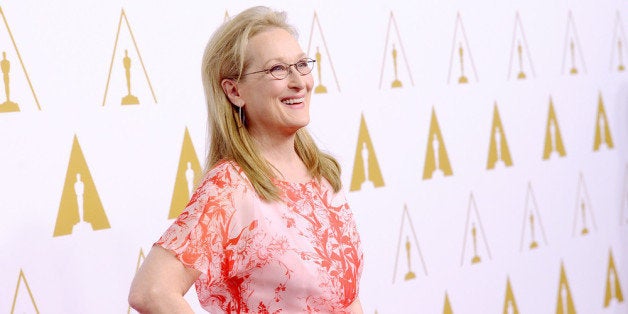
<point>160,284</point>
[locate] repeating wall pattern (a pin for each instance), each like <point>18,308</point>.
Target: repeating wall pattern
<point>483,147</point>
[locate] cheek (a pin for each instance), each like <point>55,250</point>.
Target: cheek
<point>264,92</point>
<point>309,81</point>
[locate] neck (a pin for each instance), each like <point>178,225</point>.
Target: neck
<point>280,153</point>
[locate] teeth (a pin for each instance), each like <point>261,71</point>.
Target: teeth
<point>293,101</point>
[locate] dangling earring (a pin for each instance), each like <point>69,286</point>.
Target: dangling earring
<point>242,117</point>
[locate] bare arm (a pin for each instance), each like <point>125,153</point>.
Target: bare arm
<point>160,284</point>
<point>356,307</point>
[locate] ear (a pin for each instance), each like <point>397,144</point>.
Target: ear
<point>230,87</point>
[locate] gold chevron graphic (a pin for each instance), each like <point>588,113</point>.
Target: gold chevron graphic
<point>573,57</point>
<point>127,63</point>
<point>553,139</point>
<point>583,220</point>
<point>22,278</point>
<point>366,171</point>
<point>510,305</point>
<point>461,54</point>
<point>612,287</point>
<point>520,59</point>
<point>602,130</point>
<point>80,203</point>
<point>7,104</point>
<point>188,174</point>
<point>532,223</point>
<point>396,83</point>
<point>564,302</point>
<point>619,47</point>
<point>321,63</point>
<point>474,228</point>
<point>409,274</point>
<point>436,158</point>
<point>498,146</point>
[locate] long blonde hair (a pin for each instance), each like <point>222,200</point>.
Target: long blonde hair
<point>224,58</point>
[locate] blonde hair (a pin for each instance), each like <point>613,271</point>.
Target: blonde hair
<point>224,58</point>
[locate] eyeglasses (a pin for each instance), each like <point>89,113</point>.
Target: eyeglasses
<point>281,70</point>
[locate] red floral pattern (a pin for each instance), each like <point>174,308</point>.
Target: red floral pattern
<point>299,255</point>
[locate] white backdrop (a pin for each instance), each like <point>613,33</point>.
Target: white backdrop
<point>461,210</point>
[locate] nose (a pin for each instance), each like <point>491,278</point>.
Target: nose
<point>295,79</point>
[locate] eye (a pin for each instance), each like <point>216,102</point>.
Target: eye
<point>303,64</point>
<point>278,68</point>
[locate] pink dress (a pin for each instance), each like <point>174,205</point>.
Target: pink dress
<point>299,255</point>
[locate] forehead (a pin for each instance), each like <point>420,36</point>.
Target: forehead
<point>274,44</point>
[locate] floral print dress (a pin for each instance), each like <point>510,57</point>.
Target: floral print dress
<point>298,255</point>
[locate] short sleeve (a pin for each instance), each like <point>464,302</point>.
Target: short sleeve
<point>197,237</point>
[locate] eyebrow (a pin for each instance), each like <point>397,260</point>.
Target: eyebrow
<point>273,61</point>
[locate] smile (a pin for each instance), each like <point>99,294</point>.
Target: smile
<point>293,101</point>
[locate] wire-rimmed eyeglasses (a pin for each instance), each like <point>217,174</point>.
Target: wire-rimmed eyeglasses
<point>281,70</point>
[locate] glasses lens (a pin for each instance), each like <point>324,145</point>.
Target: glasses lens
<point>279,71</point>
<point>304,66</point>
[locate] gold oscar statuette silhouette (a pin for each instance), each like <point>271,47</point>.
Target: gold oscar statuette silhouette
<point>510,309</point>
<point>476,258</point>
<point>368,183</point>
<point>564,297</point>
<point>601,130</point>
<point>572,48</point>
<point>621,66</point>
<point>189,178</point>
<point>498,148</point>
<point>521,75</point>
<point>8,105</point>
<point>533,244</point>
<point>611,292</point>
<point>462,79</point>
<point>438,171</point>
<point>553,139</point>
<point>396,83</point>
<point>79,191</point>
<point>436,148</point>
<point>320,88</point>
<point>410,274</point>
<point>602,127</point>
<point>585,230</point>
<point>128,99</point>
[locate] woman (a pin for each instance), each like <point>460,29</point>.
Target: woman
<point>267,229</point>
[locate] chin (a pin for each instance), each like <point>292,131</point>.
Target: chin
<point>297,125</point>
<point>305,122</point>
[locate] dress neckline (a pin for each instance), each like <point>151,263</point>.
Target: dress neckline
<point>278,181</point>
<point>309,182</point>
